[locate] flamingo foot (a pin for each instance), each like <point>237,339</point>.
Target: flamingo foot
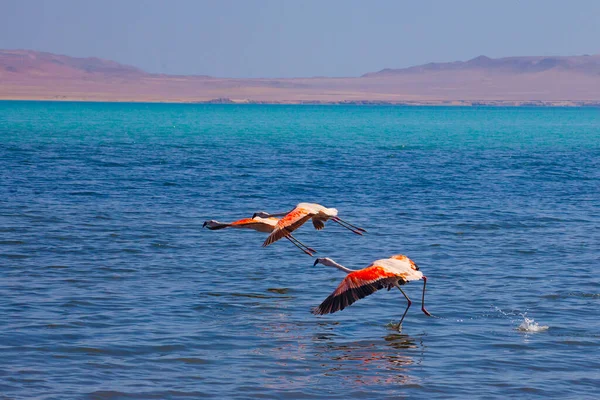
<point>397,327</point>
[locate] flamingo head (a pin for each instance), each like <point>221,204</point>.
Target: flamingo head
<point>211,224</point>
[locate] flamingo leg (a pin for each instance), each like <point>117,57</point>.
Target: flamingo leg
<point>407,307</point>
<point>302,244</point>
<point>292,239</point>
<point>350,225</point>
<point>423,298</point>
<point>339,221</point>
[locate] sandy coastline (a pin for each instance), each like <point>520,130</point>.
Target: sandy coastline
<point>569,81</point>
<point>227,101</point>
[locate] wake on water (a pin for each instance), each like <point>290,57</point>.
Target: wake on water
<point>529,325</point>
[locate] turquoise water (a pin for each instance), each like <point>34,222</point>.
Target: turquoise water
<point>111,289</point>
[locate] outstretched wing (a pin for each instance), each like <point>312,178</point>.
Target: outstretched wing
<point>243,221</point>
<point>356,286</point>
<point>257,224</point>
<point>286,225</point>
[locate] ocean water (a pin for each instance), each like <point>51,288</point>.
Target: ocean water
<point>111,289</point>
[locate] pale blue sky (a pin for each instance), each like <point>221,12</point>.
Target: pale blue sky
<point>270,38</point>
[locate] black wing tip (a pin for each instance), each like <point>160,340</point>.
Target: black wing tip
<point>268,241</point>
<point>335,303</point>
<point>272,238</point>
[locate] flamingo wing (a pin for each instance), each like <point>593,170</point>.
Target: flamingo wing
<point>318,223</point>
<point>286,225</point>
<point>355,286</point>
<point>243,221</point>
<point>254,224</point>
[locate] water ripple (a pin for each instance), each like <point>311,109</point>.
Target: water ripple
<point>111,289</point>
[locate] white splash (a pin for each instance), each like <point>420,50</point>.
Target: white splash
<point>529,325</point>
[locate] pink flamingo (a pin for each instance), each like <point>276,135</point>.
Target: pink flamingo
<point>260,225</point>
<point>386,273</point>
<point>294,219</point>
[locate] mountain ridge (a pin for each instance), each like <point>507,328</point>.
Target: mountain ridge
<point>517,64</point>
<point>560,80</point>
<point>45,63</point>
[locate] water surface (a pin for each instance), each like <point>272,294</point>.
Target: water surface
<point>111,288</point>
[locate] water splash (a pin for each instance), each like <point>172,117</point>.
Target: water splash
<point>529,325</point>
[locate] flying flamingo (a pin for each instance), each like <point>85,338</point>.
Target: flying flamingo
<point>257,224</point>
<point>294,219</point>
<point>386,273</point>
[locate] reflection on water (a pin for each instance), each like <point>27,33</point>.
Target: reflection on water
<point>383,361</point>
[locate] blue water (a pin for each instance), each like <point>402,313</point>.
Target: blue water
<point>111,289</point>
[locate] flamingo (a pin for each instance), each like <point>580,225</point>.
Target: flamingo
<point>257,224</point>
<point>294,219</point>
<point>385,273</point>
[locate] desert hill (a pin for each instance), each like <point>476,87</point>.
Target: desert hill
<point>572,80</point>
<point>585,64</point>
<point>35,63</point>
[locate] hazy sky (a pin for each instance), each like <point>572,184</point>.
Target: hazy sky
<point>264,38</point>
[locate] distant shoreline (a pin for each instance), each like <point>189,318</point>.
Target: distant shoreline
<point>558,81</point>
<point>415,103</point>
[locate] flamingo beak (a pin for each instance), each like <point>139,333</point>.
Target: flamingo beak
<point>316,262</point>
<point>204,224</point>
<point>254,215</point>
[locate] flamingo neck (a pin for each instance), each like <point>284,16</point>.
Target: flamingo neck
<point>280,214</point>
<point>340,266</point>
